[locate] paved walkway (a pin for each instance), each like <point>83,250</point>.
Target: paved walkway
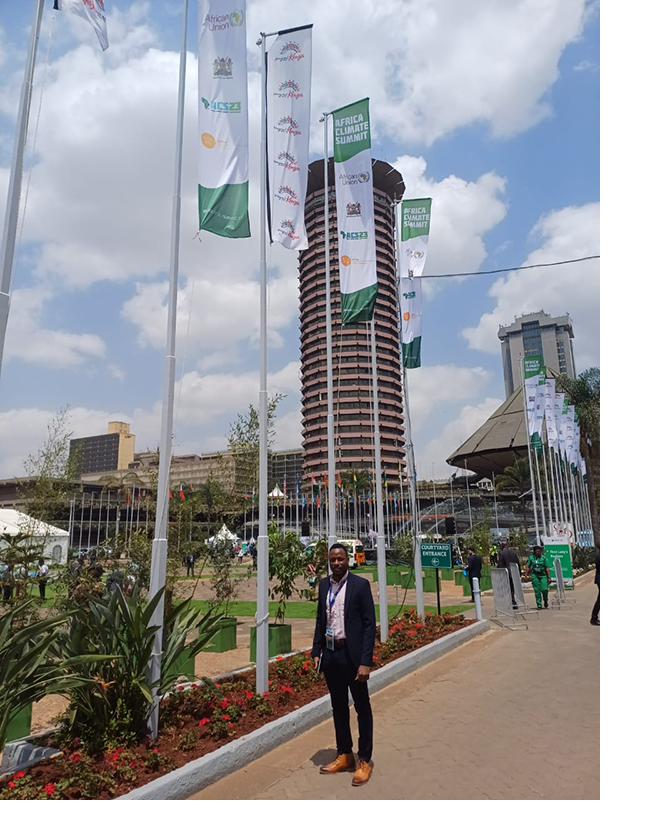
<point>510,715</point>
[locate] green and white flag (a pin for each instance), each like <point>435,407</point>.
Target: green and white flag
<point>289,81</point>
<point>223,120</point>
<point>355,212</point>
<point>550,412</point>
<point>533,366</point>
<point>415,226</point>
<point>531,405</point>
<point>410,301</point>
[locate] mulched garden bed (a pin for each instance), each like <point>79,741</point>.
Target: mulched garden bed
<point>196,720</point>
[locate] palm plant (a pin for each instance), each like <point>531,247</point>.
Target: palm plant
<point>517,479</point>
<point>585,393</point>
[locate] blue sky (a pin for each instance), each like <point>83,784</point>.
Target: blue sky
<point>491,109</point>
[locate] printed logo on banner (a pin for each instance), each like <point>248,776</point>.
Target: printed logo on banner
<point>416,255</point>
<point>289,88</point>
<point>354,235</point>
<point>353,179</point>
<point>222,107</point>
<point>288,195</point>
<point>221,22</point>
<point>208,141</point>
<point>407,316</point>
<point>223,68</point>
<point>287,124</point>
<point>288,161</point>
<point>409,295</point>
<point>100,3</point>
<point>287,228</point>
<point>290,51</point>
<point>353,209</point>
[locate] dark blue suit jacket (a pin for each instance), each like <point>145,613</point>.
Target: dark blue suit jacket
<point>359,621</point>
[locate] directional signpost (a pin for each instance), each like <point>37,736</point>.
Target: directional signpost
<point>436,556</point>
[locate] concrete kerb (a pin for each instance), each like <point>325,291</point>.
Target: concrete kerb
<point>195,776</point>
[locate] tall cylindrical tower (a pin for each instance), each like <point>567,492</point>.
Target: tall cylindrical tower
<point>350,344</point>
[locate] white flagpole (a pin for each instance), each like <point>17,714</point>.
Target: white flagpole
<point>466,480</point>
<point>82,513</point>
<point>529,448</point>
<point>8,247</point>
<point>98,528</point>
<point>160,541</point>
<point>381,549</point>
<point>495,502</point>
<point>89,526</point>
<point>540,490</point>
<point>71,522</point>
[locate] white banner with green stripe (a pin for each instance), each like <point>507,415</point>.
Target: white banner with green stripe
<point>410,302</point>
<point>223,149</point>
<point>355,212</point>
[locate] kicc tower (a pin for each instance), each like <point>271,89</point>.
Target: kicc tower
<point>352,379</point>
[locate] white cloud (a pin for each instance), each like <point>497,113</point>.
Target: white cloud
<point>30,341</point>
<point>431,387</point>
<point>565,234</point>
<point>454,434</point>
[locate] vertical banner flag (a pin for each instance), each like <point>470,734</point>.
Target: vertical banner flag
<point>415,225</point>
<point>531,390</point>
<point>410,302</point>
<point>91,10</point>
<point>289,83</point>
<point>550,410</point>
<point>355,212</point>
<point>223,120</point>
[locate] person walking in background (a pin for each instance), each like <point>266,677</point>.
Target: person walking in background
<point>344,640</point>
<point>7,583</point>
<point>41,575</point>
<point>594,620</point>
<point>506,557</point>
<point>539,571</point>
<point>190,565</point>
<point>474,569</point>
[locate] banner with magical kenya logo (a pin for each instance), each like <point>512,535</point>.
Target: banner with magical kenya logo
<point>289,80</point>
<point>355,212</point>
<point>223,121</point>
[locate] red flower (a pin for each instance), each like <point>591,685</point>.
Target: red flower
<point>266,692</point>
<point>419,626</point>
<point>180,688</point>
<point>75,757</point>
<point>133,764</point>
<point>226,717</point>
<point>20,774</point>
<point>50,789</point>
<point>203,722</point>
<point>248,694</point>
<point>11,784</point>
<point>269,682</point>
<point>155,750</point>
<point>224,703</point>
<point>279,658</point>
<point>230,724</point>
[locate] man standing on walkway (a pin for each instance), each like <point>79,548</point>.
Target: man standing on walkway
<point>539,571</point>
<point>594,620</point>
<point>344,639</point>
<point>507,557</point>
<point>41,575</point>
<point>474,569</point>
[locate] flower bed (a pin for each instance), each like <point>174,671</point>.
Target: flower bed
<point>198,720</point>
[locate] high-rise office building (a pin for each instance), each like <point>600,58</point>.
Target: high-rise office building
<point>351,354</point>
<point>536,334</point>
<point>105,453</point>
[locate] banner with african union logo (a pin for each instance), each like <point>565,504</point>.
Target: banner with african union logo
<point>410,302</point>
<point>355,212</point>
<point>223,150</point>
<point>415,225</point>
<point>289,81</point>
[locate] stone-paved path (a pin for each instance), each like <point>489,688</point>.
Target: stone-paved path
<point>510,715</point>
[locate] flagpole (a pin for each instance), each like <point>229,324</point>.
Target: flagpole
<point>89,526</point>
<point>540,490</point>
<point>98,528</point>
<point>466,480</point>
<point>262,580</point>
<point>82,513</point>
<point>7,250</point>
<point>381,549</point>
<point>70,528</point>
<point>529,448</point>
<point>160,541</point>
<point>495,502</point>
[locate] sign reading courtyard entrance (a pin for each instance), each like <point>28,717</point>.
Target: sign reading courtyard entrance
<point>436,556</point>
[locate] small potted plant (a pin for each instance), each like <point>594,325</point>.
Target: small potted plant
<point>286,566</point>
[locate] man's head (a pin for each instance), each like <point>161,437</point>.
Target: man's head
<point>41,561</point>
<point>472,551</point>
<point>537,550</point>
<point>339,561</point>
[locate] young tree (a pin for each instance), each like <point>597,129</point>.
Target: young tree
<point>517,479</point>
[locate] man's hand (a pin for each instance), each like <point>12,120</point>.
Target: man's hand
<point>363,673</point>
<point>316,662</point>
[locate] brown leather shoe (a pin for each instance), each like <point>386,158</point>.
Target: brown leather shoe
<point>362,773</point>
<point>342,763</point>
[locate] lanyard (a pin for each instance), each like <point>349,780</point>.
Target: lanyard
<point>332,600</point>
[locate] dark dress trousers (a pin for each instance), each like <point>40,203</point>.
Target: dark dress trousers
<point>341,664</point>
<point>474,570</point>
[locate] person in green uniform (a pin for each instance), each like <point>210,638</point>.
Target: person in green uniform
<point>539,572</point>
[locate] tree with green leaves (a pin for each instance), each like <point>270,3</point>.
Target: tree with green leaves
<point>286,566</point>
<point>517,479</point>
<point>584,393</point>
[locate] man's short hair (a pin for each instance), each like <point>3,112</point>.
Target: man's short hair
<point>340,546</point>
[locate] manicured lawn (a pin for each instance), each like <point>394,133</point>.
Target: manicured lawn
<point>295,609</point>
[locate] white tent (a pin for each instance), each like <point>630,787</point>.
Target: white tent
<point>56,541</point>
<point>276,493</point>
<point>225,534</point>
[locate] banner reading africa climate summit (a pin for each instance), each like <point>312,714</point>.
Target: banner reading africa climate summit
<point>223,150</point>
<point>355,212</point>
<point>415,225</point>
<point>289,81</point>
